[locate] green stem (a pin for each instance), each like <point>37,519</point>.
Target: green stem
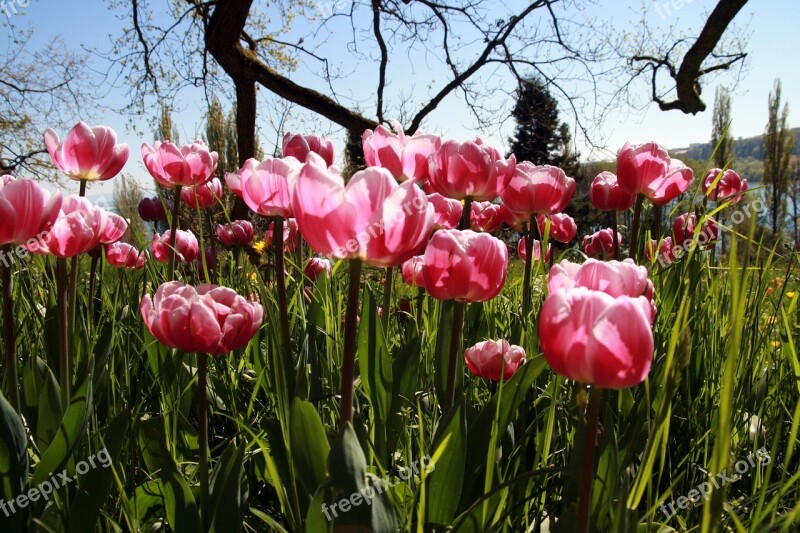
<point>350,339</point>
<point>587,465</point>
<point>65,364</point>
<point>455,356</point>
<point>526,280</point>
<point>420,302</point>
<point>8,331</point>
<point>637,213</point>
<point>466,214</point>
<point>614,224</point>
<point>202,431</point>
<point>387,299</point>
<point>280,281</point>
<point>176,209</point>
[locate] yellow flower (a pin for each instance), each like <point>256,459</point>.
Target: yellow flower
<point>260,246</point>
<point>790,294</point>
<point>776,344</point>
<point>772,319</point>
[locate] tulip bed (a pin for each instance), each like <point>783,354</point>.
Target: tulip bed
<point>380,361</point>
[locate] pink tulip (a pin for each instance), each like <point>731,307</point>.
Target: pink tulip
<point>615,278</point>
<point>153,210</point>
<point>90,154</point>
<point>730,186</point>
<point>79,228</point>
<point>234,182</point>
<point>316,266</point>
<point>191,165</point>
<point>299,146</point>
<point>562,227</point>
<point>207,319</point>
<point>664,251</point>
<point>405,157</point>
<point>203,196</point>
<point>237,233</point>
<point>592,337</point>
<point>412,271</point>
<point>522,250</point>
<point>486,217</point>
<point>446,211</point>
<point>187,248</point>
<point>685,226</point>
<point>494,360</point>
<point>469,170</point>
<point>465,266</point>
<point>601,244</point>
<point>266,187</point>
<point>647,169</point>
<point>515,221</point>
<point>291,235</point>
<point>123,255</point>
<point>372,218</point>
<point>606,194</point>
<point>538,189</point>
<point>27,210</point>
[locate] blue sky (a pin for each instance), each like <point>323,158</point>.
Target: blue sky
<point>773,49</point>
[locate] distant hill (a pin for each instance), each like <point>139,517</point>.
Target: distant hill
<point>746,148</point>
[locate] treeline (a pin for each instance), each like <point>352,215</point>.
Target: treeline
<point>746,148</point>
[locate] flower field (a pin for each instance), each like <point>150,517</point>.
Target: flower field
<point>366,353</point>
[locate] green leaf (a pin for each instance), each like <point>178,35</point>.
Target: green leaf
<point>13,464</point>
<point>310,447</point>
<point>445,482</point>
<point>42,401</point>
<point>228,491</point>
<point>95,486</point>
<point>374,360</point>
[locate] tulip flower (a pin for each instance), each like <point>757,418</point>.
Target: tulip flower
<point>405,157</point>
<point>543,189</point>
<point>79,228</point>
<point>299,146</point>
<point>372,218</point>
<point>607,195</point>
<point>515,221</point>
<point>522,250</point>
<point>234,182</point>
<point>123,255</point>
<point>594,338</point>
<point>648,170</point>
<point>316,266</point>
<point>266,187</point>
<point>203,196</point>
<point>601,244</point>
<point>730,186</point>
<point>494,360</point>
<point>237,233</point>
<point>562,227</point>
<point>486,217</point>
<point>412,271</point>
<point>26,209</point>
<point>291,235</point>
<point>465,266</point>
<point>664,251</point>
<point>446,211</point>
<point>190,165</point>
<point>685,226</point>
<point>186,248</point>
<point>153,209</point>
<point>469,170</point>
<point>87,154</point>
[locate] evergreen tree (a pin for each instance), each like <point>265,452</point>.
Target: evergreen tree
<point>537,137</point>
<point>721,137</point>
<point>217,133</point>
<point>778,144</point>
<point>165,128</point>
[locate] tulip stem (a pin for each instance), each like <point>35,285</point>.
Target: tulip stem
<point>280,281</point>
<point>637,213</point>
<point>176,208</point>
<point>65,363</point>
<point>202,430</point>
<point>387,299</point>
<point>587,465</point>
<point>455,345</point>
<point>466,214</point>
<point>420,302</point>
<point>350,338</point>
<point>526,280</point>
<point>8,332</point>
<point>614,224</point>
